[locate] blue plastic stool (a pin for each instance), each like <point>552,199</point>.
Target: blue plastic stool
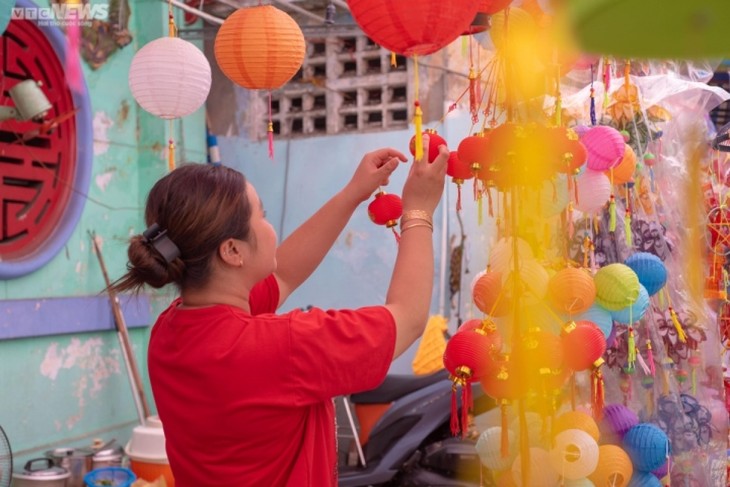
<point>110,476</point>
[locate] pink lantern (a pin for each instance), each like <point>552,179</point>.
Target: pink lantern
<point>594,191</point>
<point>605,146</point>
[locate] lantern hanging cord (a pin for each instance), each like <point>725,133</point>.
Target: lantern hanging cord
<point>203,15</point>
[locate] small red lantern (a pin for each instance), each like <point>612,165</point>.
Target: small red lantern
<point>434,141</point>
<point>586,343</point>
<point>467,357</point>
<point>473,152</point>
<point>537,354</point>
<point>488,296</point>
<point>493,6</point>
<point>504,384</point>
<point>386,209</point>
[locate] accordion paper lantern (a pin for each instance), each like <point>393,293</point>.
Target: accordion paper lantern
<point>635,311</point>
<point>617,421</point>
<point>605,146</point>
<point>501,256</point>
<point>614,467</point>
<point>493,6</point>
<point>617,286</point>
<point>488,295</point>
<point>554,197</point>
<point>469,353</point>
<point>571,290</point>
<point>624,171</point>
<point>413,27</point>
<point>579,483</point>
<point>594,191</point>
<point>600,316</point>
<point>644,479</point>
<point>650,270</point>
<point>489,449</point>
<point>583,345</point>
<point>530,283</point>
<point>259,48</point>
<point>169,77</point>
<point>647,446</point>
<point>576,420</point>
<point>574,454</point>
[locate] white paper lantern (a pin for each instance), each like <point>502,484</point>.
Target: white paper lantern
<point>500,257</point>
<point>574,454</point>
<point>531,283</point>
<point>594,191</point>
<point>541,473</point>
<point>170,77</point>
<point>489,449</point>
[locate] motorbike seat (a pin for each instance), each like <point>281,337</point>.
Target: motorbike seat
<point>396,386</point>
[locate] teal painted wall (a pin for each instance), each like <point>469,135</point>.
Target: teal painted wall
<point>65,390</point>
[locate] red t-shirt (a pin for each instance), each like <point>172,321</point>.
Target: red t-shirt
<point>246,400</point>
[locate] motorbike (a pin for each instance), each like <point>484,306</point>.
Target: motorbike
<point>405,435</point>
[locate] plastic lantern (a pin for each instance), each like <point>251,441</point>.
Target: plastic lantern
<point>574,454</point>
<point>459,172</point>
<point>647,446</point>
<point>488,294</point>
<point>599,316</point>
<point>571,290</point>
<point>576,420</point>
<point>413,27</point>
<point>584,343</point>
<point>635,311</point>
<point>489,449</point>
<point>540,471</point>
<point>169,77</point>
<point>617,286</point>
<point>644,479</point>
<point>650,270</point>
<point>594,191</point>
<point>614,467</point>
<point>617,420</point>
<point>605,146</point>
<point>434,141</point>
<point>501,255</point>
<point>624,171</point>
<point>469,356</point>
<point>259,48</point>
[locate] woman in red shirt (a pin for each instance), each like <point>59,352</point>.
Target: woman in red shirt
<point>245,395</point>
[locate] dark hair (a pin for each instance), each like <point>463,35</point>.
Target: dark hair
<point>199,205</point>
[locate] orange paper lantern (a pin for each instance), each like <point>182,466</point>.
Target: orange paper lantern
<point>577,420</point>
<point>259,48</point>
<point>572,290</point>
<point>624,172</point>
<point>614,467</point>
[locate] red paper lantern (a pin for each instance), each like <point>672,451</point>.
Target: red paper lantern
<point>488,296</point>
<point>473,152</point>
<point>538,353</point>
<point>585,343</point>
<point>459,170</point>
<point>413,27</point>
<point>434,141</point>
<point>493,6</point>
<point>504,382</point>
<point>385,209</point>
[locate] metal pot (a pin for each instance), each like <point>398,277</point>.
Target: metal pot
<point>41,472</point>
<point>78,462</point>
<point>110,455</point>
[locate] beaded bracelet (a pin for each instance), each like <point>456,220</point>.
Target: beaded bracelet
<point>415,215</point>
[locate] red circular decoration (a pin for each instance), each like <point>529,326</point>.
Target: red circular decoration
<point>473,349</point>
<point>37,160</point>
<point>434,141</point>
<point>493,6</point>
<point>585,343</point>
<point>385,209</point>
<point>458,169</point>
<point>413,27</point>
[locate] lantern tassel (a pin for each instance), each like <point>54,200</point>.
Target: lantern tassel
<point>650,358</point>
<point>642,363</point>
<point>458,197</point>
<point>270,130</point>
<point>171,155</point>
<point>593,107</point>
<point>417,121</point>
<point>473,108</point>
<point>393,62</point>
<point>479,211</point>
<point>597,392</point>
<point>627,229</point>
<point>465,406</point>
<point>454,412</point>
<point>491,203</point>
<point>504,444</point>
<point>677,325</point>
<point>631,353</point>
<point>396,234</point>
<point>571,226</point>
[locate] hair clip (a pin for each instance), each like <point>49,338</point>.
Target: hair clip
<point>161,242</point>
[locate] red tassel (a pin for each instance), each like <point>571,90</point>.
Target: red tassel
<point>473,93</point>
<point>397,236</point>
<point>491,204</point>
<point>454,412</point>
<point>575,186</point>
<point>465,406</point>
<point>650,358</point>
<point>458,197</point>
<point>504,447</point>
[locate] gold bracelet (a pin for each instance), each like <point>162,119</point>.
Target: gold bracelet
<point>415,215</point>
<point>424,224</point>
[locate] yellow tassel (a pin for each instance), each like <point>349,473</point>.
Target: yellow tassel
<point>479,210</point>
<point>171,155</point>
<point>465,45</point>
<point>631,357</point>
<point>627,229</point>
<point>417,121</point>
<point>662,299</point>
<point>392,60</point>
<point>677,325</point>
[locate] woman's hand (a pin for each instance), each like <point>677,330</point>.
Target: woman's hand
<point>373,171</point>
<point>425,184</point>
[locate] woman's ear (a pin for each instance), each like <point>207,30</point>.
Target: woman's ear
<point>230,253</point>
